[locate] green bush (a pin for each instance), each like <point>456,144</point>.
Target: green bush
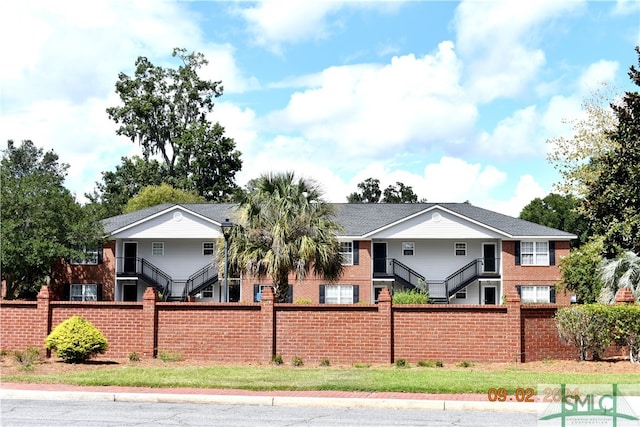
<point>27,358</point>
<point>592,328</point>
<point>167,356</point>
<point>76,340</point>
<point>413,296</point>
<point>430,363</point>
<point>304,301</point>
<point>276,359</point>
<point>465,364</point>
<point>325,362</point>
<point>402,363</point>
<point>297,361</point>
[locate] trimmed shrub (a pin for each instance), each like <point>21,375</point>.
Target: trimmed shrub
<point>304,301</point>
<point>27,358</point>
<point>76,340</point>
<point>592,328</point>
<point>413,296</point>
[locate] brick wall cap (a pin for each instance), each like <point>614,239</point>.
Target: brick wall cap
<point>625,296</point>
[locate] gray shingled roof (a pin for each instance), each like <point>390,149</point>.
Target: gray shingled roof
<point>359,219</point>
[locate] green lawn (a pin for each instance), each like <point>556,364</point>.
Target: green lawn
<point>414,379</point>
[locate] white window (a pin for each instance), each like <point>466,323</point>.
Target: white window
<point>346,250</point>
<point>534,253</point>
<point>83,292</point>
<point>535,294</point>
<point>338,294</point>
<point>208,248</point>
<point>460,248</point>
<point>207,292</point>
<point>90,257</point>
<point>408,248</point>
<point>157,248</point>
<point>462,294</point>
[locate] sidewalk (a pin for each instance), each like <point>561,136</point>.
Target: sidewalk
<point>441,402</point>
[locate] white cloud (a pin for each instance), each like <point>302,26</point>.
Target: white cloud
<point>365,109</point>
<point>275,22</point>
<point>626,7</point>
<point>595,75</point>
<point>497,42</point>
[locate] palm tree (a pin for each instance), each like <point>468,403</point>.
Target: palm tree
<point>622,272</point>
<point>285,227</point>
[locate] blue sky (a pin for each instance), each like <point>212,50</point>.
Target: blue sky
<point>456,99</point>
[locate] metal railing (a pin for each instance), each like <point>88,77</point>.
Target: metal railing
<point>148,272</point>
<point>202,278</point>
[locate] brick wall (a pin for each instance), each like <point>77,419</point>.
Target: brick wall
<point>344,334</point>
<point>65,273</point>
<point>514,275</point>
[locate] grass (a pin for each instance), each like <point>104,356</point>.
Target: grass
<point>375,379</point>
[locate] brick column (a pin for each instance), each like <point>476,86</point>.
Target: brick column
<point>44,314</point>
<point>269,332</point>
<point>514,327</point>
<point>386,326</point>
<point>625,296</point>
<point>149,323</point>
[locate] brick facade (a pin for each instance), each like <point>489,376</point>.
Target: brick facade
<point>343,334</point>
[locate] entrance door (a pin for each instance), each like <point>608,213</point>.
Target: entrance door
<point>489,256</point>
<point>130,256</point>
<point>130,292</point>
<point>379,258</point>
<point>489,293</point>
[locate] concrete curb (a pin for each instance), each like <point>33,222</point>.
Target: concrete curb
<point>267,400</point>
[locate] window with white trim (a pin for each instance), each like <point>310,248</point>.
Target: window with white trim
<point>90,257</point>
<point>534,253</point>
<point>541,294</point>
<point>83,292</point>
<point>157,248</point>
<point>207,292</point>
<point>338,294</point>
<point>408,248</point>
<point>208,248</point>
<point>460,248</point>
<point>346,251</point>
<point>462,294</point>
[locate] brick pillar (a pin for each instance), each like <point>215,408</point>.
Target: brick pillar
<point>44,314</point>
<point>386,326</point>
<point>149,322</point>
<point>514,327</point>
<point>625,296</point>
<point>268,325</point>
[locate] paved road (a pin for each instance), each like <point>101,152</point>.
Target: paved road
<point>36,413</point>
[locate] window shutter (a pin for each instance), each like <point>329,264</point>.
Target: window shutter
<point>256,291</point>
<point>99,296</point>
<point>290,294</point>
<point>517,251</point>
<point>356,294</point>
<point>552,253</point>
<point>356,252</point>
<point>100,255</point>
<point>552,294</point>
<point>66,296</point>
<point>519,289</point>
<point>321,299</point>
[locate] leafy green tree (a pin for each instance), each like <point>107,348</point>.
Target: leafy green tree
<point>165,110</point>
<point>622,272</point>
<point>118,187</point>
<point>158,194</point>
<point>41,220</point>
<point>580,271</point>
<point>370,193</point>
<point>570,156</point>
<point>612,201</point>
<point>399,193</point>
<point>285,227</point>
<point>560,212</point>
